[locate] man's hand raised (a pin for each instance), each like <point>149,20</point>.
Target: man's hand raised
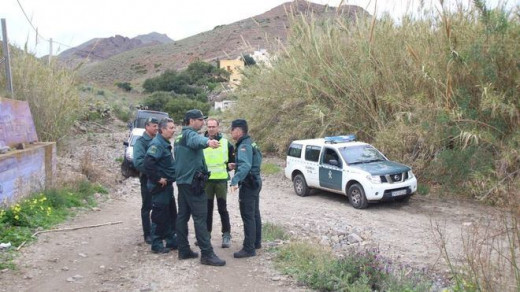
<point>213,143</point>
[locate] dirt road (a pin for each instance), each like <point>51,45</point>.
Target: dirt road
<point>115,258</point>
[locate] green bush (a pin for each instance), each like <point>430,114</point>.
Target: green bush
<point>126,86</point>
<point>157,101</point>
<point>195,82</point>
<point>177,107</point>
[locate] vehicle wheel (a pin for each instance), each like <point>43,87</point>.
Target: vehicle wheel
<point>403,199</point>
<point>125,169</point>
<point>356,196</point>
<point>300,186</point>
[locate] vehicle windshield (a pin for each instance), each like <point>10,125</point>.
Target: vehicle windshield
<point>361,154</point>
<point>141,121</point>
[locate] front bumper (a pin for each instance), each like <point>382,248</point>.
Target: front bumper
<point>388,191</point>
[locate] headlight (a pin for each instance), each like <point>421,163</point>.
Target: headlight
<point>129,155</point>
<point>410,174</point>
<point>376,179</point>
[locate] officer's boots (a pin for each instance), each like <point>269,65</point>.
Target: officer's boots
<point>226,240</point>
<point>212,260</point>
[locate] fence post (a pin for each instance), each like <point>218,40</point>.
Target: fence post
<point>7,59</point>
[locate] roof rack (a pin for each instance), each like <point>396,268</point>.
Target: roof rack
<point>340,139</point>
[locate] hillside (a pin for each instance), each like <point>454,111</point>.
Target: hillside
<point>100,49</point>
<point>265,31</point>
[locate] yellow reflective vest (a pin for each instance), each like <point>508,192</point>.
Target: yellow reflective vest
<point>217,159</point>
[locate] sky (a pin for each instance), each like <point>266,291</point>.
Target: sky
<point>71,22</point>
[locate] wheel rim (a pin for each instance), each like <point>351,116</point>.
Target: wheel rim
<point>298,185</point>
<point>355,195</point>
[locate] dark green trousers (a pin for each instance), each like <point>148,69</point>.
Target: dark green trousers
<point>195,205</point>
<point>146,205</point>
<point>249,201</point>
<point>164,214</point>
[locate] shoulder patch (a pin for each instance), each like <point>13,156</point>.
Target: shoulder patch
<point>153,149</point>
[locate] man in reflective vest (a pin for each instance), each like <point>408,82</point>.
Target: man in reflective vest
<point>217,161</point>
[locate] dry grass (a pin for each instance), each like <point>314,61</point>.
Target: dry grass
<point>50,91</point>
<point>429,92</point>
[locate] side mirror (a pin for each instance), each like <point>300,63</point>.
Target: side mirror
<point>130,125</point>
<point>125,143</point>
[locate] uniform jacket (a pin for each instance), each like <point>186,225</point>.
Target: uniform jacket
<point>159,161</point>
<point>140,147</point>
<point>189,155</point>
<point>248,160</point>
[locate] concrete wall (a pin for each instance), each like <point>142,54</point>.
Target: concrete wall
<point>23,172</point>
<point>29,169</point>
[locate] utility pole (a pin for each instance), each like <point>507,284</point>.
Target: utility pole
<point>50,50</point>
<point>7,59</point>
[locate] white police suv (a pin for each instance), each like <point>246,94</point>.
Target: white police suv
<point>342,165</point>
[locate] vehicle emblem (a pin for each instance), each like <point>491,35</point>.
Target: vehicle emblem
<point>397,177</point>
<point>330,174</point>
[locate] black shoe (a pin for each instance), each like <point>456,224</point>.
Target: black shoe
<point>189,255</point>
<point>258,246</point>
<point>212,260</point>
<point>148,239</point>
<point>172,246</point>
<point>244,254</point>
<point>162,250</point>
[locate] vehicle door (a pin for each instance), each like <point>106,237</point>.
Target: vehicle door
<point>331,169</point>
<point>311,164</point>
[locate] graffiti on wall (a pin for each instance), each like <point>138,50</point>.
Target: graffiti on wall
<point>16,123</point>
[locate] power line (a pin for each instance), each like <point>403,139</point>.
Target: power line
<point>30,22</point>
<point>40,36</point>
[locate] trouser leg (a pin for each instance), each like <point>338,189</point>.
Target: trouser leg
<point>171,239</point>
<point>258,220</point>
<point>221,194</point>
<point>182,218</point>
<point>247,204</point>
<point>198,204</point>
<point>146,205</point>
<point>209,217</point>
<point>162,218</point>
<point>224,215</point>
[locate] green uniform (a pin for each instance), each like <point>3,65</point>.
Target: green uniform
<point>247,177</point>
<point>217,161</point>
<point>140,147</point>
<point>191,169</point>
<point>159,163</point>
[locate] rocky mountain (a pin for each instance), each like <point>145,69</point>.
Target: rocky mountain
<point>227,41</point>
<point>99,49</point>
<point>154,38</point>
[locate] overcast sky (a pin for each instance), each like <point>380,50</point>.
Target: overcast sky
<point>71,22</point>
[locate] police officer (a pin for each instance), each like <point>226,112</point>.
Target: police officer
<point>192,174</point>
<point>247,179</point>
<point>140,147</point>
<point>217,161</point>
<point>160,169</point>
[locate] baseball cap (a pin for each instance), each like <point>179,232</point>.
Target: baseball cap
<point>194,114</point>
